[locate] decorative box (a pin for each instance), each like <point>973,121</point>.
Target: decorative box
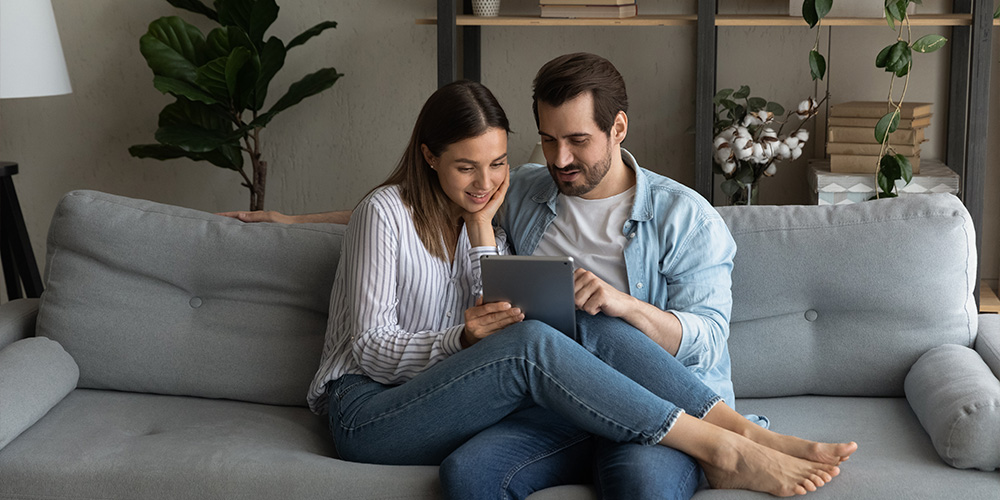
<point>829,188</point>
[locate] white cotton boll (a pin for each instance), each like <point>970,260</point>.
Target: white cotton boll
<point>719,141</point>
<point>742,132</point>
<point>807,108</point>
<point>723,155</point>
<point>792,142</point>
<point>742,148</point>
<point>729,167</point>
<point>802,135</point>
<point>769,132</point>
<point>765,116</point>
<point>771,170</point>
<point>729,134</point>
<point>747,121</point>
<point>758,152</point>
<point>796,153</point>
<point>784,152</point>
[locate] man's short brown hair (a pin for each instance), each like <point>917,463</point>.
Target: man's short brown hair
<point>568,76</point>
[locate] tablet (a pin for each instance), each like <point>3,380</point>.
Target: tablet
<point>541,286</point>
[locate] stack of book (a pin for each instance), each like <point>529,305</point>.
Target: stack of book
<point>613,9</point>
<point>851,140</point>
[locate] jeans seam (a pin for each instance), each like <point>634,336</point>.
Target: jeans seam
<point>538,456</point>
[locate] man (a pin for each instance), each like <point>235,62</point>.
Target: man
<point>650,252</point>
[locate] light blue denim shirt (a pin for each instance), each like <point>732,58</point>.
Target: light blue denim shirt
<point>678,257</point>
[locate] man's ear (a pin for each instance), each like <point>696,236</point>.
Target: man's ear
<point>619,129</point>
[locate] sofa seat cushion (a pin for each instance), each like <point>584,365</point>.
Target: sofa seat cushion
<point>115,445</point>
<point>895,459</point>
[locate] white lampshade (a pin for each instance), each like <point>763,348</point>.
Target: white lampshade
<point>31,56</point>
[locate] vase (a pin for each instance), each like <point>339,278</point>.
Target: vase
<point>486,8</point>
<point>745,195</point>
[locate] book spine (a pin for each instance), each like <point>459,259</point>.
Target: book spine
<point>912,137</point>
<point>863,164</point>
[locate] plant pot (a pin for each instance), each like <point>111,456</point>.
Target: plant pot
<point>486,8</point>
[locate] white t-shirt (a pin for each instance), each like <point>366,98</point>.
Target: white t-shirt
<point>590,231</point>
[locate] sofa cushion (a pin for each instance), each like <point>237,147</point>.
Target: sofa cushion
<point>125,446</point>
<point>842,300</point>
<point>957,399</point>
<point>160,299</point>
<point>35,374</point>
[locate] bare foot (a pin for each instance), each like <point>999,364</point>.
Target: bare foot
<point>824,453</point>
<point>750,466</point>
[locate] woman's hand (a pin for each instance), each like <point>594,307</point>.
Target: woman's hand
<point>485,214</point>
<point>260,216</point>
<point>483,320</point>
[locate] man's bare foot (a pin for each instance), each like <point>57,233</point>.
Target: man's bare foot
<point>750,466</point>
<point>824,453</point>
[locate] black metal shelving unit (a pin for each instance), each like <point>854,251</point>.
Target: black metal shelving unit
<point>967,134</point>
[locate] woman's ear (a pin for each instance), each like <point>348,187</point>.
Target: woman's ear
<point>619,129</point>
<point>428,156</point>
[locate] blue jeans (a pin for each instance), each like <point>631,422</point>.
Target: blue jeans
<point>528,364</point>
<point>620,470</point>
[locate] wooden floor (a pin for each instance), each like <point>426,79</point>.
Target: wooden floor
<point>988,301</point>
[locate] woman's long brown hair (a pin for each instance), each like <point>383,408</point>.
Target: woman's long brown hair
<point>455,112</point>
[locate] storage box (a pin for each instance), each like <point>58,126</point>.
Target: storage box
<point>828,188</point>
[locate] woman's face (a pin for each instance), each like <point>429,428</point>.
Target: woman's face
<point>472,170</point>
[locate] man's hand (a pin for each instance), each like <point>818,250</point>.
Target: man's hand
<point>259,216</point>
<point>593,295</point>
<point>483,320</point>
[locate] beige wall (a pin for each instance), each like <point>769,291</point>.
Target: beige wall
<point>329,151</point>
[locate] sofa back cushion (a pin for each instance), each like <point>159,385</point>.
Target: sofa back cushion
<point>842,300</point>
<point>160,299</point>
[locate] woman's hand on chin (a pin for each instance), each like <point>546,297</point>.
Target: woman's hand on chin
<point>485,215</point>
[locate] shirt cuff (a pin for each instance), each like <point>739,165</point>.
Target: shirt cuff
<point>692,349</point>
<point>451,342</point>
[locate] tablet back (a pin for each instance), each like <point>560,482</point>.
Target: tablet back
<point>541,286</point>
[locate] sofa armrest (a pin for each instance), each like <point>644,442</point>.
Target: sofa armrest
<point>988,341</point>
<point>17,320</point>
<point>957,400</point>
<point>35,374</point>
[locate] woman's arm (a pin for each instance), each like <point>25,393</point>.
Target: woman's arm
<point>337,217</point>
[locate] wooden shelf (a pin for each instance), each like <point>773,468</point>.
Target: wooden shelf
<point>691,20</point>
<point>988,301</point>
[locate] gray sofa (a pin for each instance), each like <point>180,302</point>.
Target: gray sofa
<point>171,351</point>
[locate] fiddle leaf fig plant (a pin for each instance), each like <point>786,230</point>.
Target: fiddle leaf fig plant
<point>220,82</point>
<point>897,60</point>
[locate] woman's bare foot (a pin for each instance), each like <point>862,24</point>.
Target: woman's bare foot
<point>824,453</point>
<point>751,466</point>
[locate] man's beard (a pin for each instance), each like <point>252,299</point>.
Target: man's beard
<point>591,177</point>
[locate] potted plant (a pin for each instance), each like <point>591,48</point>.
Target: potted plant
<point>747,147</point>
<point>220,82</point>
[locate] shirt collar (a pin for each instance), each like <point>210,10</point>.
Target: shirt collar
<point>642,208</point>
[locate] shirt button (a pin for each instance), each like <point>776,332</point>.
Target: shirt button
<point>449,315</point>
<point>638,285</point>
<point>632,235</point>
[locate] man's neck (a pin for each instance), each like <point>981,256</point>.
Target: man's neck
<point>620,178</point>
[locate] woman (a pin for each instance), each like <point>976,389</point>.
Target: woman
<point>414,365</point>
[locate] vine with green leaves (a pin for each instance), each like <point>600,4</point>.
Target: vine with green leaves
<point>897,60</point>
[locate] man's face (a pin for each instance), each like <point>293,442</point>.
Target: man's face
<point>577,152</point>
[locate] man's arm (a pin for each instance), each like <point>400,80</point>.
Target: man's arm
<point>593,295</point>
<point>338,217</point>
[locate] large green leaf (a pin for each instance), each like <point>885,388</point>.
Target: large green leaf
<point>823,7</point>
<point>742,93</point>
<point>191,138</point>
<point>272,58</point>
<point>882,59</point>
<point>235,12</point>
<point>173,48</point>
<point>212,77</point>
<point>222,41</point>
<point>775,108</point>
<point>722,95</point>
<point>195,6</point>
<point>310,85</point>
<point>756,103</point>
<point>178,88</point>
<point>184,112</point>
<point>929,43</point>
<point>241,77</point>
<point>905,168</point>
<point>888,172</point>
<point>221,157</point>
<point>817,65</point>
<point>311,32</point>
<point>896,9</point>
<point>263,15</point>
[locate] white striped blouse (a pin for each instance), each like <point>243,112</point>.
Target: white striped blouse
<point>395,309</point>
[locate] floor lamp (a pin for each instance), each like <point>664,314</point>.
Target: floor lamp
<point>31,65</point>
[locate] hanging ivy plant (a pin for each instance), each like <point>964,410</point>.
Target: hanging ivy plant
<point>897,60</point>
